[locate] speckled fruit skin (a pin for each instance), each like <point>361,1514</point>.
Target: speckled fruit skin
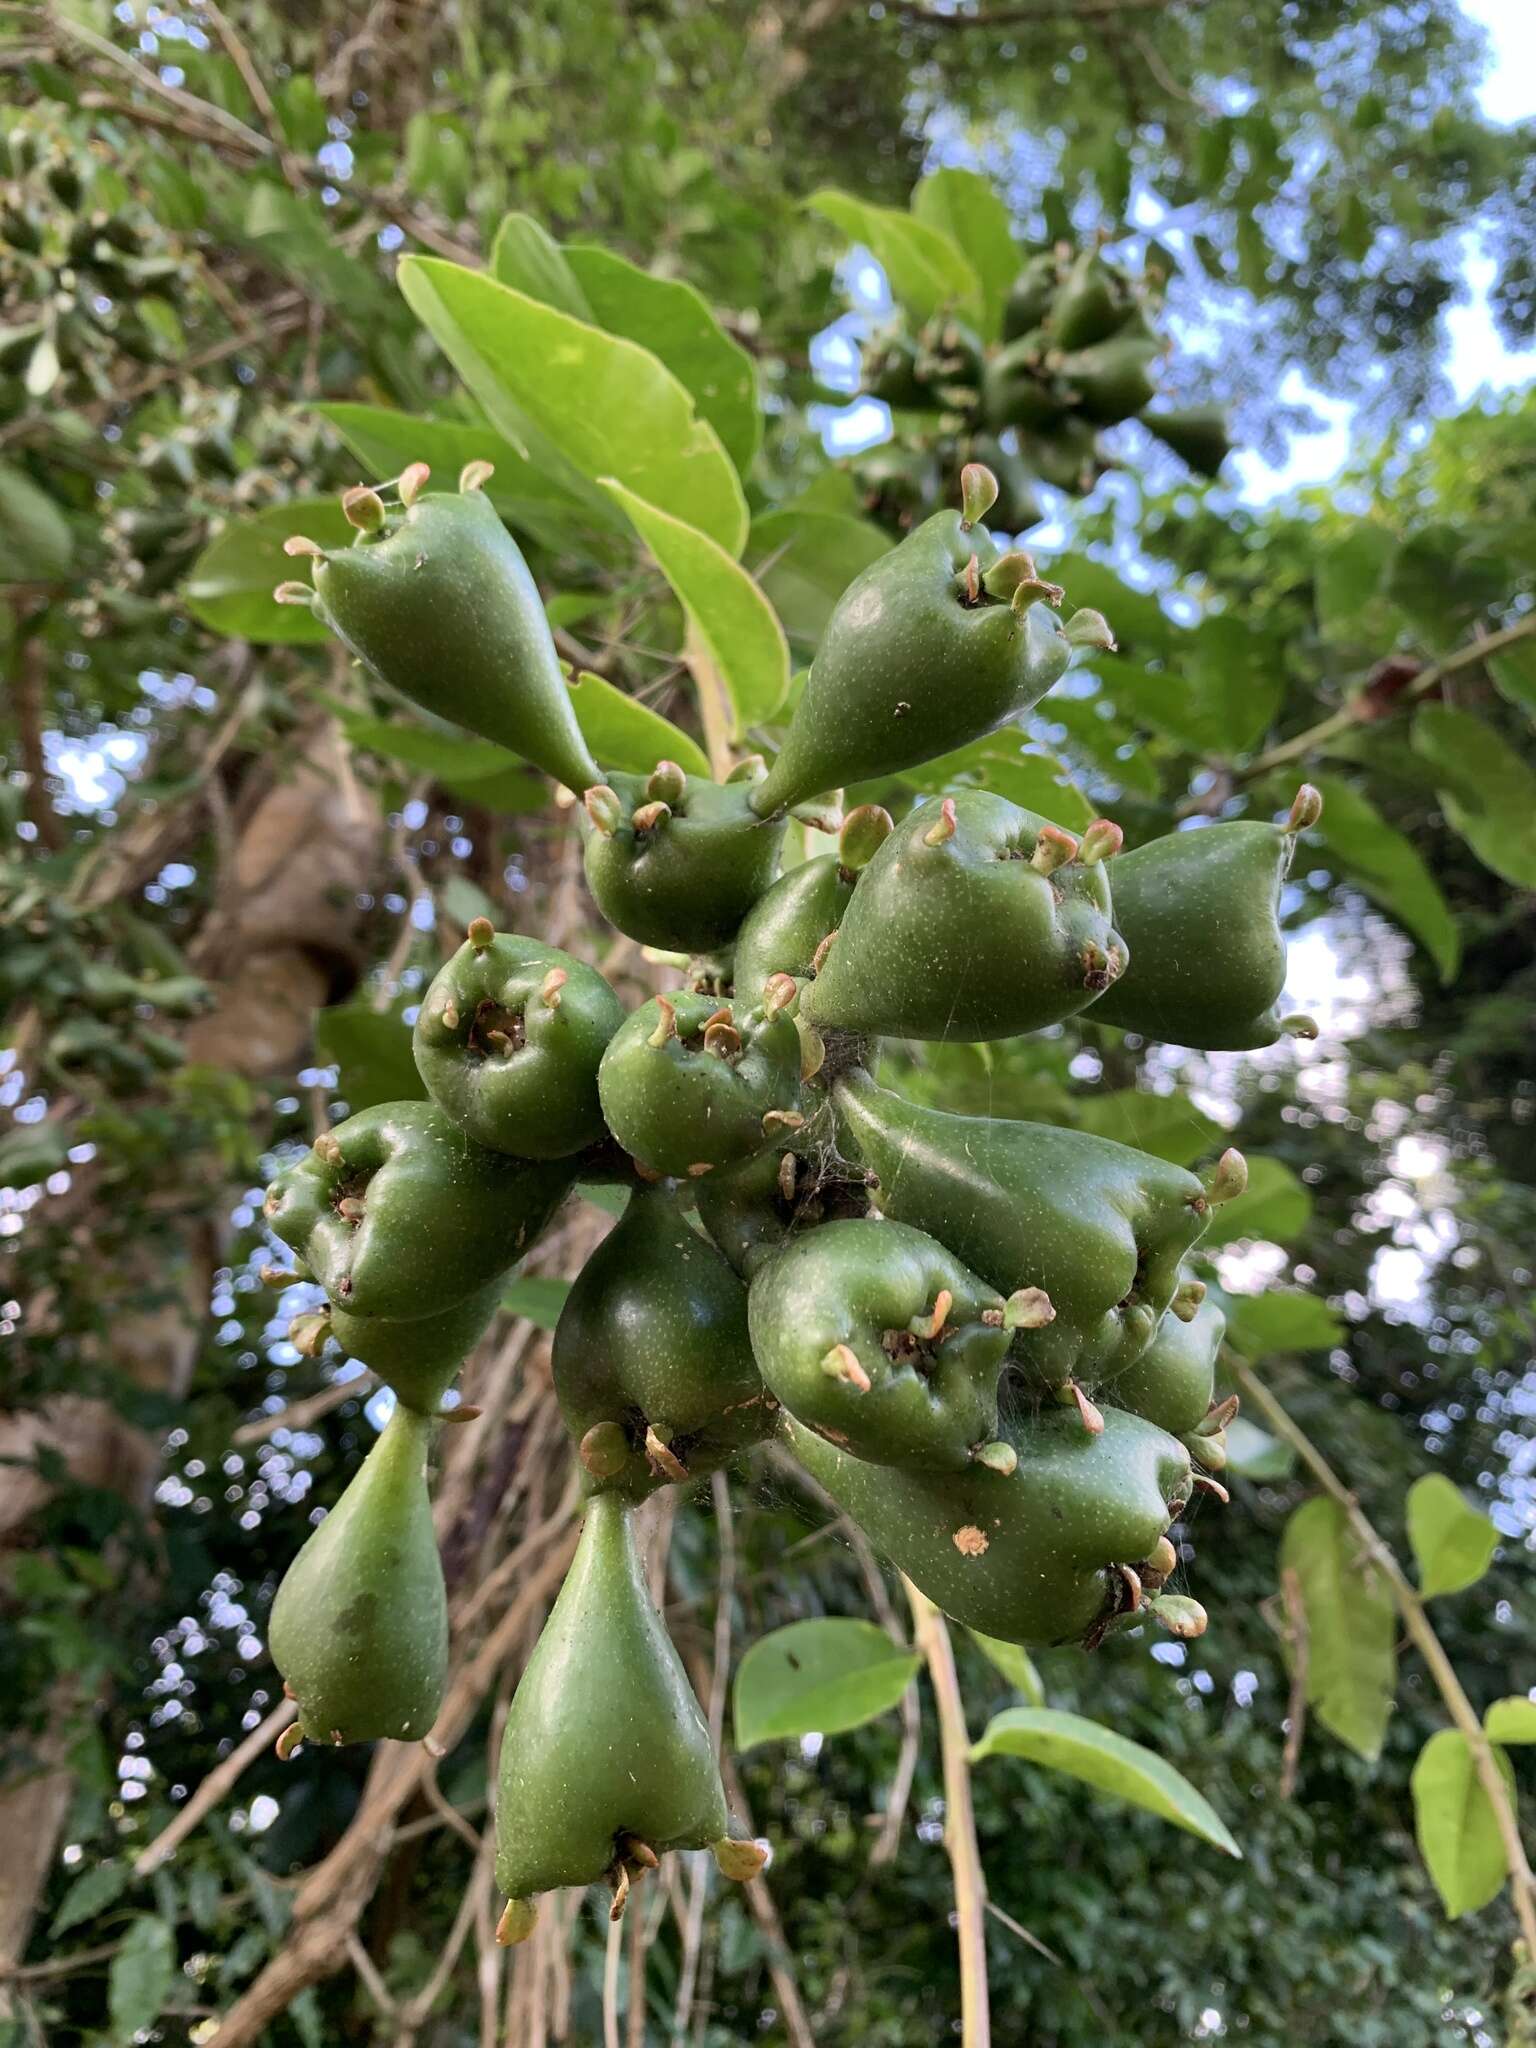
<point>1174,1380</point>
<point>604,1737</point>
<point>965,939</point>
<point>676,1105</point>
<point>537,1097</point>
<point>654,1334</point>
<point>687,882</point>
<point>1200,913</point>
<point>442,607</point>
<point>441,1215</point>
<point>782,930</point>
<point>359,1628</point>
<point>1029,1557</point>
<point>908,669</point>
<point>928,1402</point>
<point>1100,1227</point>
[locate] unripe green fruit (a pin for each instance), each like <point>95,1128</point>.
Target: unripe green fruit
<point>872,1334</point>
<point>418,1357</point>
<point>686,1083</point>
<point>1112,380</point>
<point>1019,391</point>
<point>784,928</point>
<point>1092,303</point>
<point>897,484</point>
<point>1198,435</point>
<point>359,1628</point>
<point>1099,1227</point>
<point>1200,911</point>
<point>508,1042</point>
<point>683,875</point>
<point>1028,1557</point>
<point>399,1214</point>
<point>1031,295</point>
<point>891,372</point>
<point>750,1210</point>
<point>1174,1381</point>
<point>1067,457</point>
<point>439,603</point>
<point>975,920</point>
<point>653,1340</point>
<point>917,659</point>
<point>604,1742</point>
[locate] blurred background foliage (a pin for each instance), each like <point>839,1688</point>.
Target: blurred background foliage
<point>212,832</point>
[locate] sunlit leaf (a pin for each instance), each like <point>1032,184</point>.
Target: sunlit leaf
<point>143,1970</point>
<point>1487,791</point>
<point>624,733</point>
<point>35,542</point>
<point>805,559</point>
<point>1453,1544</point>
<point>818,1677</point>
<point>230,585</point>
<point>1281,1320</point>
<point>926,271</point>
<point>1015,1664</point>
<point>1512,1719</point>
<point>525,256</point>
<point>1389,868</point>
<point>1351,1625</point>
<point>1275,1205</point>
<point>1457,1829</point>
<point>966,207</point>
<point>372,1051</point>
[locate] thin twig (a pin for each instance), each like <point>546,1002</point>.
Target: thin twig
<point>612,1955</point>
<point>216,1787</point>
<point>1016,1927</point>
<point>373,1983</point>
<point>1296,1712</point>
<point>261,99</point>
<point>1418,1625</point>
<point>959,1818</point>
<point>301,1414</point>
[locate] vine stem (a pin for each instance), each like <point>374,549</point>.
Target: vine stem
<point>1420,1629</point>
<point>1349,715</point>
<point>932,1637</point>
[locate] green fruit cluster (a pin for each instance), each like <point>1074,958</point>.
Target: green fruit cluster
<point>981,1337</point>
<point>1078,352</point>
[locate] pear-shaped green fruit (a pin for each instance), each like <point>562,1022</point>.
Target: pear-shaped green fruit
<point>397,1213</point>
<point>419,1356</point>
<point>877,1338</point>
<point>439,603</point>
<point>604,1745</point>
<point>783,930</point>
<point>688,1084</point>
<point>918,658</point>
<point>899,486</point>
<point>1199,436</point>
<point>1173,1383</point>
<point>976,919</point>
<point>891,372</point>
<point>652,1350</point>
<point>678,870</point>
<point>1112,380</point>
<point>752,1209</point>
<point>1098,1227</point>
<point>1067,456</point>
<point>1092,302</point>
<point>359,1628</point>
<point>508,1042</point>
<point>1018,390</point>
<point>1027,1556</point>
<point>1031,294</point>
<point>1200,911</point>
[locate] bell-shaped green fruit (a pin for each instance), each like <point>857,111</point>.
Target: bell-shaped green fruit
<point>652,1350</point>
<point>439,603</point>
<point>752,1209</point>
<point>949,361</point>
<point>1098,1227</point>
<point>687,1083</point>
<point>1067,457</point>
<point>679,871</point>
<point>508,1042</point>
<point>1017,388</point>
<point>975,920</point>
<point>918,658</point>
<point>418,1357</point>
<point>1112,380</point>
<point>877,1338</point>
<point>1028,1556</point>
<point>359,1628</point>
<point>784,928</point>
<point>891,372</point>
<point>397,1213</point>
<point>1092,302</point>
<point>605,1746</point>
<point>1199,436</point>
<point>1173,1383</point>
<point>1031,294</point>
<point>1200,911</point>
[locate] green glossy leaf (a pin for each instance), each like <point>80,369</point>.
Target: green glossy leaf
<point>1168,1126</point>
<point>371,1050</point>
<point>581,403</point>
<point>1457,1829</point>
<point>966,207</point>
<point>141,1976</point>
<point>1252,1453</point>
<point>1275,1206</point>
<point>670,318</point>
<point>624,733</point>
<point>1015,768</point>
<point>1487,791</point>
<point>1512,1720</point>
<point>1388,867</point>
<point>525,256</point>
<point>384,441</point>
<point>1514,674</point>
<point>818,1677</point>
<point>1351,1625</point>
<point>1015,1664</point>
<point>1258,1324</point>
<point>35,541</point>
<point>479,771</point>
<point>1219,698</point>
<point>1453,1544</point>
<point>1084,1749</point>
<point>926,271</point>
<point>230,585</point>
<point>537,1297</point>
<point>463,901</point>
<point>805,559</point>
<point>728,615</point>
<point>91,1893</point>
